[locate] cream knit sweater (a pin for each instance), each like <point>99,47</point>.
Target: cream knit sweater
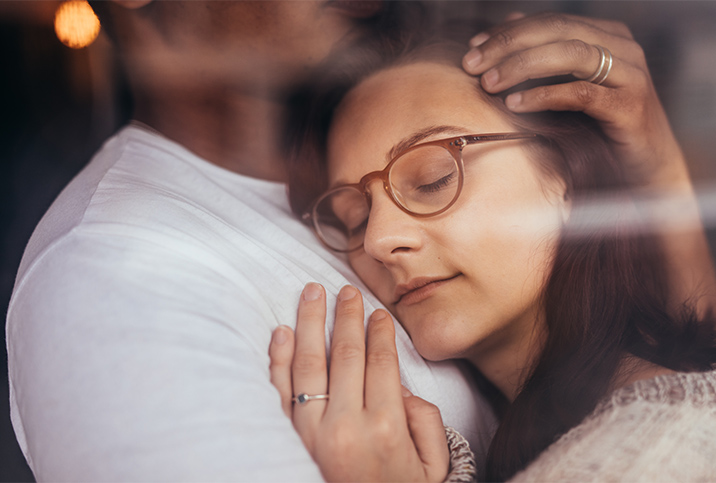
<point>660,429</point>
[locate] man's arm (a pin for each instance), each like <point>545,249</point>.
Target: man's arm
<point>130,361</point>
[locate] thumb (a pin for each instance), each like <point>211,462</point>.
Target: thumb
<point>426,428</point>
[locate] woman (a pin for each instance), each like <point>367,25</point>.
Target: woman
<point>476,241</point>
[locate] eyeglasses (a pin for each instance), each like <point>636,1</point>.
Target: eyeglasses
<point>424,180</point>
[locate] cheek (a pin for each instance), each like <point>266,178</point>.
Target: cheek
<point>504,240</point>
<point>503,251</point>
<point>373,274</point>
<point>505,211</point>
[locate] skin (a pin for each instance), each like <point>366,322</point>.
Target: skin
<point>372,431</point>
<point>212,75</point>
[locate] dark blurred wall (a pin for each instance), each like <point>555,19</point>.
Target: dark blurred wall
<point>54,116</point>
<point>58,105</point>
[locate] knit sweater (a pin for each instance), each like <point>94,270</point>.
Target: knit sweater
<point>660,429</point>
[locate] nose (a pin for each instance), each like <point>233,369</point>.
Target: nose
<point>390,231</point>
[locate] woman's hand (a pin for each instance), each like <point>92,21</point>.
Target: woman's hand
<point>626,105</point>
<point>371,429</point>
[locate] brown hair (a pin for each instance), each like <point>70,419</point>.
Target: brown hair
<point>607,293</point>
<point>607,296</point>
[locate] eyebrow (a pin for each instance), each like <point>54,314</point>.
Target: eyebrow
<point>418,136</point>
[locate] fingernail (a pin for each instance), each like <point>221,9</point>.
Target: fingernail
<point>479,39</point>
<point>406,392</point>
<point>473,59</point>
<point>312,291</point>
<point>490,78</point>
<point>347,293</point>
<point>514,16</point>
<point>513,100</point>
<point>379,315</point>
<point>280,335</point>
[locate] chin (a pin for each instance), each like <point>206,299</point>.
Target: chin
<point>434,348</point>
<point>438,336</point>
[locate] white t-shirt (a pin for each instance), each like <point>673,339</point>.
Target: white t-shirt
<point>141,317</point>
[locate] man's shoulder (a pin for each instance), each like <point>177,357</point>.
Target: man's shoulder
<point>144,187</point>
<point>138,174</point>
<point>146,214</point>
<point>149,229</point>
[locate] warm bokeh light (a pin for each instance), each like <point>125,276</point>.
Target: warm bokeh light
<point>76,24</point>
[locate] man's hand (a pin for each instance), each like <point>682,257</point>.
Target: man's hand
<point>625,104</point>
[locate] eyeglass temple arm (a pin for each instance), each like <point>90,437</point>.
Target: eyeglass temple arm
<point>480,138</point>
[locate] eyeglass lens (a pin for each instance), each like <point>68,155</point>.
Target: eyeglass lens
<point>423,181</point>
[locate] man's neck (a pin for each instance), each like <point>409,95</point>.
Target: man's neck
<point>241,133</point>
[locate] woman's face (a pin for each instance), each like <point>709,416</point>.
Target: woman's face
<point>473,274</point>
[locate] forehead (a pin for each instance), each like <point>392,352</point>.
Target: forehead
<point>392,105</point>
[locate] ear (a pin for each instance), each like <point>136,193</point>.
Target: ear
<point>565,207</point>
<point>132,4</point>
<point>557,193</point>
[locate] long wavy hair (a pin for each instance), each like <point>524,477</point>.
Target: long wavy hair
<point>607,295</point>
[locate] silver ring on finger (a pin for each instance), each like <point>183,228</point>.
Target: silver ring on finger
<point>605,66</point>
<point>303,398</point>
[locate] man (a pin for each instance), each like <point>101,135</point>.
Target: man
<point>144,305</point>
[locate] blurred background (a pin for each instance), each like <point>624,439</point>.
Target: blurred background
<point>59,104</point>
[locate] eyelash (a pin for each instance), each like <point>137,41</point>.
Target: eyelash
<point>436,185</point>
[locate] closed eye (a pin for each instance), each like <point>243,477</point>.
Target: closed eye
<point>436,185</point>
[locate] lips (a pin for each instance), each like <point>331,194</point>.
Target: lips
<point>418,289</point>
<point>357,8</point>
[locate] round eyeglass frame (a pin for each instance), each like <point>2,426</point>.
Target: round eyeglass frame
<point>454,145</point>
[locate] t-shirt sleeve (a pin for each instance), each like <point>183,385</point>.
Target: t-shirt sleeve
<point>131,361</point>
